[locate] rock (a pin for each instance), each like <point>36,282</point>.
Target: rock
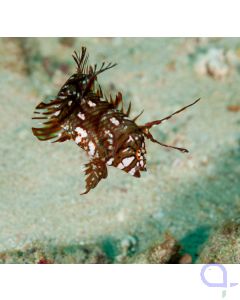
<point>129,244</point>
<point>40,253</point>
<point>127,247</point>
<point>223,246</point>
<point>216,63</point>
<point>160,253</point>
<point>164,252</point>
<point>185,259</point>
<point>67,41</point>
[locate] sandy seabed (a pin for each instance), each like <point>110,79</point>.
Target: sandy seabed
<point>185,195</point>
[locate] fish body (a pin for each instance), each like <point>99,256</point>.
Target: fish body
<point>96,124</point>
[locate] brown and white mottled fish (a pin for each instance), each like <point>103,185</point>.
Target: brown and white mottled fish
<point>81,113</point>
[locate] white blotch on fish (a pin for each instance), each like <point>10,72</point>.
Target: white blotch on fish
<point>91,148</point>
<point>127,161</point>
<point>81,116</point>
<point>91,104</point>
<point>81,132</point>
<point>115,121</point>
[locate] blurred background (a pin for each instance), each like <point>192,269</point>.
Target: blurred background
<point>184,209</point>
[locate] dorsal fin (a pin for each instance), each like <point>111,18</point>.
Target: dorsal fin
<point>134,119</point>
<point>81,60</point>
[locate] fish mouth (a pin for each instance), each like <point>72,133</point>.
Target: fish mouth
<point>139,170</point>
<point>137,173</point>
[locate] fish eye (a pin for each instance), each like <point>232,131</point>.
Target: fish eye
<point>138,154</point>
<point>84,80</point>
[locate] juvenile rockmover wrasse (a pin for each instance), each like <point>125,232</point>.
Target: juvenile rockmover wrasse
<point>97,124</point>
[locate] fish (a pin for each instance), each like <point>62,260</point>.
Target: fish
<point>98,124</point>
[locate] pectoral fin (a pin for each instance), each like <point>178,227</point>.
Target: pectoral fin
<point>95,170</point>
